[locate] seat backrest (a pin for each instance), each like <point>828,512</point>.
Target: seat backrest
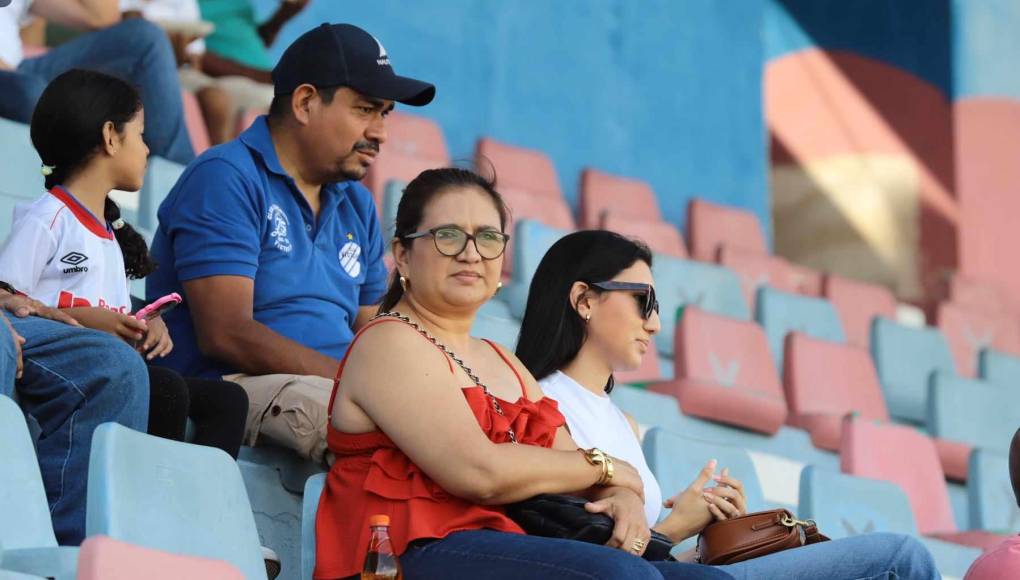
<point>104,558</point>
<point>710,287</point>
<point>499,329</point>
<point>661,237</point>
<point>970,331</point>
<point>518,168</point>
<point>413,144</point>
<point>879,451</point>
<point>857,303</point>
<point>388,210</point>
<point>905,357</point>
<point>171,496</point>
<point>825,377</point>
<point>603,195</point>
<point>977,294</point>
<point>990,500</point>
<point>19,164</point>
<point>711,226</point>
<point>972,412</point>
<point>780,313</point>
<point>844,505</point>
<point>25,521</point>
<point>647,408</point>
<point>160,178</point>
<point>530,241</point>
<point>550,211</point>
<point>309,508</point>
<point>198,132</point>
<point>756,270</point>
<point>999,368</point>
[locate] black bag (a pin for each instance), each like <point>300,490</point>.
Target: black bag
<point>563,516</point>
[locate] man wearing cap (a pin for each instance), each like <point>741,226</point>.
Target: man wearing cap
<point>275,245</point>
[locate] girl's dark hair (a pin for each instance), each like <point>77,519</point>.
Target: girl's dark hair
<point>417,196</point>
<point>67,131</point>
<point>552,331</point>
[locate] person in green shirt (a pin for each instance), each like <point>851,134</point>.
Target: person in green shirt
<point>238,45</point>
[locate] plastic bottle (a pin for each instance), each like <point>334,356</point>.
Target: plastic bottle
<point>380,561</point>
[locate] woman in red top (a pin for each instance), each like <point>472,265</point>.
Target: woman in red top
<point>419,439</point>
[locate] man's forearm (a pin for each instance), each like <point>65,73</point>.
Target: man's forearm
<point>253,348</point>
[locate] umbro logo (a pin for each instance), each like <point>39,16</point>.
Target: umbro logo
<point>74,259</point>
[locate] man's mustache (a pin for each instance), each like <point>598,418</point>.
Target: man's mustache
<point>366,146</point>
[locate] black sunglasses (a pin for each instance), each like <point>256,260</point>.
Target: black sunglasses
<point>645,294</point>
<point>451,241</point>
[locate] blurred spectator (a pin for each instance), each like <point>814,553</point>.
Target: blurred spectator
<point>134,50</point>
<point>71,380</point>
<point>1003,561</point>
<point>238,45</point>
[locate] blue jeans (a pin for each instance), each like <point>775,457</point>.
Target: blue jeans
<point>865,557</point>
<point>134,50</point>
<point>74,379</point>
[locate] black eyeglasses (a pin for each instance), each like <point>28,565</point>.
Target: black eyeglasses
<point>451,241</point>
<point>644,294</point>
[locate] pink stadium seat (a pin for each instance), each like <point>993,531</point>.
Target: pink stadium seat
<point>711,226</point>
<point>755,270</point>
<point>247,116</point>
<point>103,558</point>
<point>805,280</point>
<point>1002,561</point>
<point>907,457</point>
<point>646,373</point>
<point>193,119</point>
<point>603,194</point>
<point>724,372</point>
<point>518,168</point>
<point>857,304</point>
<point>824,381</point>
<point>413,144</point>
<point>550,211</point>
<point>980,295</point>
<point>661,237</point>
<point>954,457</point>
<point>969,331</point>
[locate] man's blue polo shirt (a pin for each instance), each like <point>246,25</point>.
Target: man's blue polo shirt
<point>235,212</point>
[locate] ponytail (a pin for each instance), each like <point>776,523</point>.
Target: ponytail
<point>137,261</point>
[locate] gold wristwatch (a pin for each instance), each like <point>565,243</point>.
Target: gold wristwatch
<point>598,458</point>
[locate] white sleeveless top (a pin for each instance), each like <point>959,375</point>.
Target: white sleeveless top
<point>595,421</point>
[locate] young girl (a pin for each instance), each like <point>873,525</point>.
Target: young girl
<point>69,249</point>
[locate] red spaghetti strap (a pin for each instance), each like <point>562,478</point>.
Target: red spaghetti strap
<point>499,351</point>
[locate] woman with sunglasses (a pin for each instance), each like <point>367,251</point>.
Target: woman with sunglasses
<point>439,430</point>
<point>591,312</point>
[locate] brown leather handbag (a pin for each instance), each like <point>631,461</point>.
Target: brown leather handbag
<point>753,535</point>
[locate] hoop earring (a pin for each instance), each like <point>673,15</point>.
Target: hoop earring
<point>404,283</point>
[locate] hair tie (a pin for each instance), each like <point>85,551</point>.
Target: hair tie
<point>47,170</point>
<point>117,224</point>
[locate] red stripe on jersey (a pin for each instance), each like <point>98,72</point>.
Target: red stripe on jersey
<point>84,216</point>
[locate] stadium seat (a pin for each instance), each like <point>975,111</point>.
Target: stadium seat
<point>756,270</point>
<point>246,117</point>
<point>857,303</point>
<point>999,368</point>
<point>531,240</point>
<point>27,542</point>
<point>313,490</point>
<point>710,287</point>
<point>970,331</point>
<point>992,503</point>
<point>905,358</point>
<point>498,327</point>
<point>160,178</point>
<point>878,451</point>
<point>824,381</point>
<point>551,211</point>
<point>413,144</point>
<point>11,575</point>
<point>977,294</point>
<point>390,203</point>
<point>723,372</point>
<point>966,413</point>
<point>195,122</point>
<point>103,558</point>
<point>20,164</point>
<point>603,195</point>
<point>780,313</point>
<point>171,496</point>
<point>661,237</point>
<point>806,281</point>
<point>711,226</point>
<point>517,168</point>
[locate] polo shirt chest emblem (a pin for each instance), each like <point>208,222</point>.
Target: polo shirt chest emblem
<point>280,224</point>
<point>349,254</point>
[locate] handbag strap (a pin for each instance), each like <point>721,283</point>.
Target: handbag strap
<point>471,375</point>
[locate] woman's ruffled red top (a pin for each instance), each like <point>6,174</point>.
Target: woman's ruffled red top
<point>372,476</point>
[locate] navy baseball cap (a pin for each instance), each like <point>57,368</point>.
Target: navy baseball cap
<point>332,55</point>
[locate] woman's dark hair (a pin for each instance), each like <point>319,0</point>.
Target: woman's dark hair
<point>67,131</point>
<point>552,331</point>
<point>417,196</point>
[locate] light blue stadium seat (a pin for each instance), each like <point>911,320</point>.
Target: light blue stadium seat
<point>495,323</point>
<point>160,177</point>
<point>171,496</point>
<point>20,164</point>
<point>710,287</point>
<point>992,503</point>
<point>391,200</point>
<point>905,358</point>
<point>844,505</point>
<point>999,368</point>
<point>9,575</point>
<point>972,412</point>
<point>531,240</point>
<point>27,542</point>
<point>780,313</point>
<point>313,489</point>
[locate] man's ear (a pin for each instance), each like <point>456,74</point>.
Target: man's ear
<point>302,101</point>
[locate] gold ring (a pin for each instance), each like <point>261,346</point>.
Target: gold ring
<point>637,545</point>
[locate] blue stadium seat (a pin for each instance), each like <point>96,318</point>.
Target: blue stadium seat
<point>844,505</point>
<point>20,164</point>
<point>9,575</point>
<point>713,289</point>
<point>999,368</point>
<point>171,496</point>
<point>530,241</point>
<point>992,503</point>
<point>390,201</point>
<point>905,358</point>
<point>27,542</point>
<point>313,489</point>
<point>780,313</point>
<point>160,177</point>
<point>495,322</point>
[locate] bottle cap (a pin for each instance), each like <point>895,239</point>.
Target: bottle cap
<point>379,520</point>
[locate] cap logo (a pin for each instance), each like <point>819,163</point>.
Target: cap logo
<point>384,59</point>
